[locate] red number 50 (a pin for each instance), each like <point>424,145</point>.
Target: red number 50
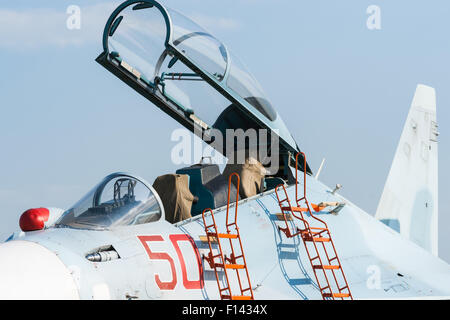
<point>175,239</point>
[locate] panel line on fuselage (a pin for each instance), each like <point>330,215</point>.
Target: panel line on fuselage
<point>284,255</point>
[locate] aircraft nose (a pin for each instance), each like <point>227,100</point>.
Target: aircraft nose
<point>30,271</point>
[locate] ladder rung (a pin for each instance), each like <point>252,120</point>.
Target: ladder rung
<point>317,239</point>
<point>326,267</point>
<point>211,234</point>
<point>295,209</point>
<point>248,289</point>
<point>319,232</point>
<point>242,298</point>
<point>341,295</point>
<point>306,233</point>
<point>227,236</point>
<point>336,295</point>
<point>234,266</point>
<point>333,258</point>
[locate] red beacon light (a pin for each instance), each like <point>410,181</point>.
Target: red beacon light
<point>34,219</point>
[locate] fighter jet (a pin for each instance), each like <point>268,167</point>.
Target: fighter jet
<point>263,227</point>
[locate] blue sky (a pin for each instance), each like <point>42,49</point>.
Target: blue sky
<point>343,90</point>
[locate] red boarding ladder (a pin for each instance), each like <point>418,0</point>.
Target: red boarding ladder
<point>236,261</point>
<point>315,238</point>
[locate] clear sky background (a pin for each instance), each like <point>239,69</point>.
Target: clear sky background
<point>343,90</point>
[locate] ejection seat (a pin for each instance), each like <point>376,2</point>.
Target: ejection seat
<point>174,193</point>
<point>251,173</point>
<point>208,185</point>
<point>193,189</point>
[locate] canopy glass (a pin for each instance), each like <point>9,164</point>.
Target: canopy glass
<point>186,71</point>
<point>118,200</point>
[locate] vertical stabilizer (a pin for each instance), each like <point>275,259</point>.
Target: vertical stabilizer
<point>409,203</point>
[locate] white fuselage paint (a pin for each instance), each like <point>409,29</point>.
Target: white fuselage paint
<point>167,266</point>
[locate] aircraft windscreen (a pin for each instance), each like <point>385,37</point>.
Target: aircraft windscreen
<point>119,200</point>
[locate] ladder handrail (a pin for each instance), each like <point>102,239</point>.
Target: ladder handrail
<point>237,231</point>
<point>237,199</point>
<point>289,206</point>
<point>214,265</point>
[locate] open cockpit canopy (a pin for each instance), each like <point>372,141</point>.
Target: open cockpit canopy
<point>187,72</point>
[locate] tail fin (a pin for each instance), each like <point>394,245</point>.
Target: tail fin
<point>409,203</point>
